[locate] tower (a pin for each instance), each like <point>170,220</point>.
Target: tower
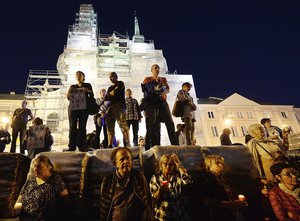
<point>97,55</point>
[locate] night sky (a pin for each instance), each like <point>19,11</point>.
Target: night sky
<point>248,47</point>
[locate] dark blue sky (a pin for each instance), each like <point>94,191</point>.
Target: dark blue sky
<point>248,47</point>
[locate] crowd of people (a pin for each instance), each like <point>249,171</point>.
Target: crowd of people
<point>118,105</point>
<point>125,194</point>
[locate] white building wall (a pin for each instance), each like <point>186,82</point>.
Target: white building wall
<point>236,103</point>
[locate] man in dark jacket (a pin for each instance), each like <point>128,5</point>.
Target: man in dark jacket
<point>116,110</point>
<point>19,124</point>
<point>124,193</point>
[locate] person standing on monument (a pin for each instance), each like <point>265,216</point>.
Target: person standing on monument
<point>78,112</point>
<point>188,112</point>
<point>100,118</point>
<point>133,115</point>
<point>116,110</point>
<point>19,124</point>
<point>155,90</point>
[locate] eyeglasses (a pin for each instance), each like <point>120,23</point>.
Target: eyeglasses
<point>290,174</point>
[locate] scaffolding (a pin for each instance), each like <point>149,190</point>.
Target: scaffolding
<point>84,30</point>
<point>48,96</point>
<point>114,55</point>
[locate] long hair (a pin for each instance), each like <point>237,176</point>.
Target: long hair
<point>212,159</point>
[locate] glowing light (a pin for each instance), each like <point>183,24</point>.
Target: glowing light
<point>241,197</point>
<point>4,120</point>
<point>227,121</point>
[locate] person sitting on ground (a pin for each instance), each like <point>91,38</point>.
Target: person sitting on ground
<point>43,195</point>
<point>216,193</point>
<point>4,137</point>
<point>285,198</point>
<point>166,189</point>
<point>37,138</point>
<point>124,194</point>
<point>225,137</point>
<point>264,151</point>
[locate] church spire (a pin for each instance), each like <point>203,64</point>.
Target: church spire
<point>138,38</point>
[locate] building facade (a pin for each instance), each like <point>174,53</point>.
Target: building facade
<point>237,113</point>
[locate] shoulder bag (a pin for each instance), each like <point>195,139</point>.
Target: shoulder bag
<point>92,106</point>
<point>178,108</point>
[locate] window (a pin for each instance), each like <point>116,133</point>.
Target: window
<point>244,130</point>
<point>214,131</point>
<point>284,115</point>
<point>239,115</point>
<point>250,115</point>
<point>52,122</point>
<point>234,131</point>
<point>211,114</point>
